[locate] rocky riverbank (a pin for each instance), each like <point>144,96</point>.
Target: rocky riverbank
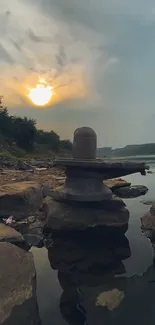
<point>22,191</point>
<point>25,201</point>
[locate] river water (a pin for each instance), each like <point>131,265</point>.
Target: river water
<point>70,268</point>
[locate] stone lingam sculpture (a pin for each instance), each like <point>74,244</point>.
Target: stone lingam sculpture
<point>85,201</point>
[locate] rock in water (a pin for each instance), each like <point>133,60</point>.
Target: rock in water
<point>18,303</point>
<point>148,220</point>
<point>148,227</point>
<point>20,199</point>
<point>151,171</point>
<point>110,299</point>
<point>131,191</point>
<point>116,183</point>
<point>8,234</point>
<point>148,202</point>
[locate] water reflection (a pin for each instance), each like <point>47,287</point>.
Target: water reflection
<point>84,263</point>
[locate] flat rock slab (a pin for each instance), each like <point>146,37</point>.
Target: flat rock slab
<point>131,191</point>
<point>20,199</point>
<point>8,234</point>
<point>18,304</point>
<point>116,183</point>
<point>64,217</point>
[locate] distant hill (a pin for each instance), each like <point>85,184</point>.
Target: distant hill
<point>129,150</point>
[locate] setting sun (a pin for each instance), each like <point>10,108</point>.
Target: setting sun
<point>41,94</point>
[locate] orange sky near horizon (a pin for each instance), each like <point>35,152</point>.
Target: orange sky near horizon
<point>65,86</point>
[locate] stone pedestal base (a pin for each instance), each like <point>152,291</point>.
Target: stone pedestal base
<point>66,217</point>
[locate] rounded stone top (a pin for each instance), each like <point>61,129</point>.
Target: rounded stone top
<point>84,143</point>
<point>85,131</point>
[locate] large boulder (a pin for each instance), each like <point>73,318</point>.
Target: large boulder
<point>18,303</point>
<point>148,220</point>
<point>66,217</point>
<point>148,227</point>
<point>8,234</point>
<point>20,199</point>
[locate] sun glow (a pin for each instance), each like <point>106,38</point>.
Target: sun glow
<point>41,94</point>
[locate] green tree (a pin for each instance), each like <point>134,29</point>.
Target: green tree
<point>50,139</point>
<point>5,122</point>
<point>24,132</point>
<point>66,145</point>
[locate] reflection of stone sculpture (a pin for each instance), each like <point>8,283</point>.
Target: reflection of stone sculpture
<point>92,259</point>
<point>71,307</point>
<point>85,201</point>
<point>83,264</point>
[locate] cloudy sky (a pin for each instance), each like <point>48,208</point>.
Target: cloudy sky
<point>100,57</point>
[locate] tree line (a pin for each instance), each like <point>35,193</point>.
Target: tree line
<point>24,133</point>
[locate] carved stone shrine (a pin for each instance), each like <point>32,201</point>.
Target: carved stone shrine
<point>85,201</point>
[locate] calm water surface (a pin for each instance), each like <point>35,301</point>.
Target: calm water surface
<point>49,290</point>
